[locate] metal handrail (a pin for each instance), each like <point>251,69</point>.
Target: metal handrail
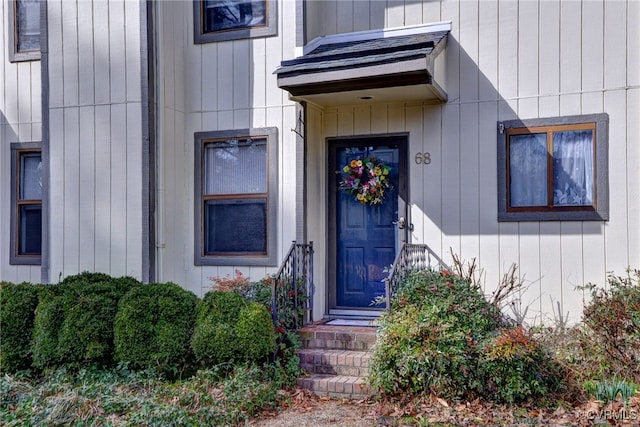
<point>411,257</point>
<point>292,288</point>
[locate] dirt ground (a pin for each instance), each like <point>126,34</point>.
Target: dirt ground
<point>303,408</point>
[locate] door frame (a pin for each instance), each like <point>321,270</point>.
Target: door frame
<point>333,144</point>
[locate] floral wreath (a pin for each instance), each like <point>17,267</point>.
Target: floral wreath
<point>367,179</point>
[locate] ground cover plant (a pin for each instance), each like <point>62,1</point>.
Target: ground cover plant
<point>131,398</point>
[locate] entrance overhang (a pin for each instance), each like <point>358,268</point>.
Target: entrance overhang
<point>397,64</point>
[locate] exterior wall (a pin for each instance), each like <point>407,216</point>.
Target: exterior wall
<point>95,144</point>
<point>504,60</point>
<point>216,86</point>
<point>20,121</point>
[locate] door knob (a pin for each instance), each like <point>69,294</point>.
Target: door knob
<point>401,223</point>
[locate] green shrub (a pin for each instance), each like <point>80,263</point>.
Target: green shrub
<point>90,309</point>
<point>514,367</point>
<point>429,342</point>
<point>17,313</point>
<point>46,329</point>
<point>612,323</point>
<point>256,333</point>
<point>215,339</point>
<point>153,327</point>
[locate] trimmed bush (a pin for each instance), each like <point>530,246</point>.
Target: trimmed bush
<point>256,333</point>
<point>215,339</point>
<point>90,309</point>
<point>46,329</point>
<point>17,313</point>
<point>153,327</point>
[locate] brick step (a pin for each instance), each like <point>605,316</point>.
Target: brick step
<point>358,338</point>
<point>336,362</point>
<point>340,386</point>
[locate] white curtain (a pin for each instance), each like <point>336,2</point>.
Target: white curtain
<point>236,167</point>
<point>31,177</point>
<point>528,170</point>
<point>573,168</point>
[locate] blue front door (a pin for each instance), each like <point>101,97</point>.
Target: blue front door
<point>366,235</point>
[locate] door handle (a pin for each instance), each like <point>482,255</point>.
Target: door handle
<point>401,223</point>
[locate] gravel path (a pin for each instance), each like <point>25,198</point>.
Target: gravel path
<point>321,413</point>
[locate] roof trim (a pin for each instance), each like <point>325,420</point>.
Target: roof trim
<point>377,34</point>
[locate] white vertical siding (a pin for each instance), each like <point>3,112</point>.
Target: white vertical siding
<point>507,60</point>
<point>217,86</point>
<point>95,116</point>
<point>20,121</point>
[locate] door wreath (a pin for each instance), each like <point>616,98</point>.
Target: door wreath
<point>366,179</point>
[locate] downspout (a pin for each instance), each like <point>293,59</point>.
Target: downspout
<point>44,70</point>
<point>159,160</point>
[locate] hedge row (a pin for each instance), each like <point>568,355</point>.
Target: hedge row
<point>92,318</point>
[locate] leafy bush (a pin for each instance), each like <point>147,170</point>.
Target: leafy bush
<point>256,334</point>
<point>153,326</point>
<point>90,309</point>
<point>215,339</point>
<point>429,340</point>
<point>46,329</point>
<point>443,337</point>
<point>251,291</point>
<point>514,367</point>
<point>17,313</point>
<point>612,323</point>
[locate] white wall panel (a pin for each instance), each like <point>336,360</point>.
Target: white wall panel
<point>70,53</point>
<point>132,50</point>
<point>102,80</point>
<point>633,43</point>
<point>87,189</point>
<point>86,53</point>
<point>593,37</point>
<point>117,51</point>
<point>71,187</point>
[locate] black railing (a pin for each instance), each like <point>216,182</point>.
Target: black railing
<point>292,289</point>
<point>411,257</point>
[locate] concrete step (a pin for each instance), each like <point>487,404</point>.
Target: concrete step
<point>335,362</point>
<point>339,386</point>
<point>358,338</point>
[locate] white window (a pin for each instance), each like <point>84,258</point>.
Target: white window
<point>26,200</point>
<point>554,169</point>
<point>24,30</point>
<point>218,20</point>
<point>236,188</point>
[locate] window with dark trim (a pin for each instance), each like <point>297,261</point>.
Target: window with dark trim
<point>236,197</point>
<point>218,20</point>
<point>26,203</point>
<point>553,169</point>
<point>24,30</point>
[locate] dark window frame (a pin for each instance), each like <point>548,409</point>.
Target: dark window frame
<point>17,151</point>
<point>201,140</point>
<point>269,29</point>
<point>16,55</point>
<point>600,209</point>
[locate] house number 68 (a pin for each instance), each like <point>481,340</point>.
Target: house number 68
<point>423,158</point>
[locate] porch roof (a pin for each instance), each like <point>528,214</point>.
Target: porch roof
<point>390,64</point>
